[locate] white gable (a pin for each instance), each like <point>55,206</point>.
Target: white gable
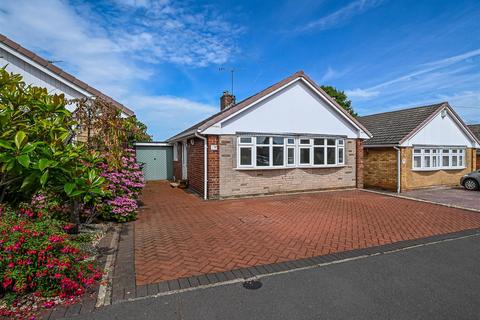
<point>294,109</point>
<point>441,131</point>
<point>37,75</point>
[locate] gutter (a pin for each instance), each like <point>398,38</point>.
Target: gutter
<point>205,164</point>
<point>399,169</point>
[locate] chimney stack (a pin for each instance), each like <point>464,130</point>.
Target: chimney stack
<point>226,100</point>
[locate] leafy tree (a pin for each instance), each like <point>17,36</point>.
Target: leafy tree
<point>136,131</point>
<point>341,98</point>
<point>103,128</point>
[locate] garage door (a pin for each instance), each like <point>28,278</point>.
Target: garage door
<point>157,162</point>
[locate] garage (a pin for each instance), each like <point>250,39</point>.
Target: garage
<point>156,158</point>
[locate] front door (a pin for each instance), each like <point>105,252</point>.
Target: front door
<point>184,160</point>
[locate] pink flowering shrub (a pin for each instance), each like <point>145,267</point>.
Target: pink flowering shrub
<point>50,204</point>
<point>37,256</point>
<point>124,185</point>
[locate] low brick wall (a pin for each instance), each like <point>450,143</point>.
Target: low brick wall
<point>254,182</point>
<point>423,179</point>
<point>380,168</point>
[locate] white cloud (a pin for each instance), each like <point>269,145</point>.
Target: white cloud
<point>331,74</point>
<point>173,113</point>
<point>341,15</point>
<point>451,74</point>
<point>54,30</point>
<point>171,103</point>
<point>432,66</point>
<point>118,50</point>
<point>167,31</point>
<point>360,93</point>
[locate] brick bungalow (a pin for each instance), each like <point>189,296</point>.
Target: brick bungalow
<point>289,137</point>
<point>475,128</point>
<point>424,146</point>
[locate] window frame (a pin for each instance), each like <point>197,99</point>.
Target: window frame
<point>437,157</point>
<point>295,143</point>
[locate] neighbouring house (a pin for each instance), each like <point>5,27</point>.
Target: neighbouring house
<point>39,72</point>
<point>475,128</point>
<point>289,137</point>
<point>417,148</point>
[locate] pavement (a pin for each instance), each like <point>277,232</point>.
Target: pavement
<point>178,235</point>
<point>435,281</point>
<point>450,196</point>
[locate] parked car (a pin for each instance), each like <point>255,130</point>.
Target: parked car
<point>471,181</point>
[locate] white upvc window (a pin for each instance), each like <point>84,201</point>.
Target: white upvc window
<point>282,152</point>
<point>291,152</point>
<point>430,159</point>
<point>245,152</point>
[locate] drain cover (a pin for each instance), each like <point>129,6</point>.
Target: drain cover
<point>252,284</point>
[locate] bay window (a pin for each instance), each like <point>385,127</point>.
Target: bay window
<point>438,158</point>
<point>281,152</point>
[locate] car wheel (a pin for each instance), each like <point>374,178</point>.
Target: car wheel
<point>470,184</point>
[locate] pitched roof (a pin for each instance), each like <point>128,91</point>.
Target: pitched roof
<point>61,73</point>
<point>390,128</point>
<point>204,124</point>
<point>475,128</point>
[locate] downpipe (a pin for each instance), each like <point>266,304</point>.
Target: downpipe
<point>399,169</point>
<point>205,164</point>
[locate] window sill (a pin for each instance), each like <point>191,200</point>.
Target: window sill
<point>288,168</point>
<point>438,169</point>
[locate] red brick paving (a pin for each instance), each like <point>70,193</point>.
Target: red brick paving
<point>179,235</point>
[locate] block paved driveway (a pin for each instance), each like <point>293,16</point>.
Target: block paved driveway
<point>178,234</point>
<point>451,196</point>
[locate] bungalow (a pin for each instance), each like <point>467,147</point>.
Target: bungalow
<point>475,128</point>
<point>39,72</point>
<point>289,137</point>
<point>417,148</point>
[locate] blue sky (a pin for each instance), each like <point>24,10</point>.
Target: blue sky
<point>162,58</point>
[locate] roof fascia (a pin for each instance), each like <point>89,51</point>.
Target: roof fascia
<point>45,70</point>
<point>456,118</point>
<point>300,78</point>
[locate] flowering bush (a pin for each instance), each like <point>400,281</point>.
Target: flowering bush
<point>124,185</point>
<point>37,256</point>
<point>50,204</point>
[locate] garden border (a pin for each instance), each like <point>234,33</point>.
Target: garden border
<point>87,303</point>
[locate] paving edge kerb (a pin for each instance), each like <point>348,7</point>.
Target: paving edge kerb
<point>124,288</point>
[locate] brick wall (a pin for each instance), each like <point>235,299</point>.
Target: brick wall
<point>380,168</point>
<point>359,165</point>
<point>423,179</point>
<point>478,161</point>
<point>213,180</point>
<point>253,182</point>
<point>195,165</point>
